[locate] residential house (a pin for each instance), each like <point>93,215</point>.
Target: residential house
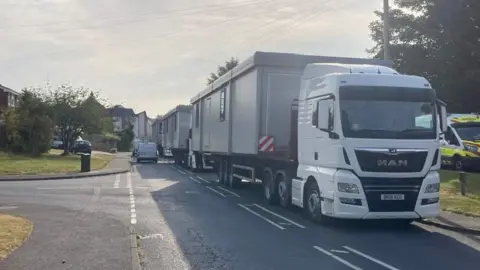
<point>157,130</point>
<point>149,129</point>
<point>140,126</point>
<point>122,117</point>
<point>8,99</point>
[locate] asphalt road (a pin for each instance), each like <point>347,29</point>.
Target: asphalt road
<point>188,221</point>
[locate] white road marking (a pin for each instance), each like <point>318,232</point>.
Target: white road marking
<point>206,181</point>
<point>133,211</point>
<point>129,180</point>
<point>216,191</point>
<point>260,216</point>
<point>173,167</point>
<point>62,188</point>
<point>7,207</point>
<point>193,179</point>
<point>231,192</point>
<point>151,236</point>
<point>339,251</point>
<point>116,184</point>
<point>370,258</point>
<point>337,258</point>
<point>279,216</point>
<point>201,178</point>
<point>180,171</point>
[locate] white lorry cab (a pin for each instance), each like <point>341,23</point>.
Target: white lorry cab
<point>361,153</point>
<point>335,136</point>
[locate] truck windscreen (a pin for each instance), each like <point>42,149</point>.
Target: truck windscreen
<point>387,112</point>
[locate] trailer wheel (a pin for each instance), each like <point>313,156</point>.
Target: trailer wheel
<point>312,204</point>
<point>269,187</point>
<point>233,181</point>
<point>284,189</point>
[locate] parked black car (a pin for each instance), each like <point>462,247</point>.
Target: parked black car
<point>82,147</point>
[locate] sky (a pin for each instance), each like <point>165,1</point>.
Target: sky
<point>152,55</point>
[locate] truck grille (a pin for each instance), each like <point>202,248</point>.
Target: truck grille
<point>375,187</point>
<point>371,161</point>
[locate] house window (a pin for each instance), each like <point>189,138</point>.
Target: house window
<point>222,105</point>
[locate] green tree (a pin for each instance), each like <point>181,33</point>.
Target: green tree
<point>76,110</point>
<point>437,39</point>
<point>29,126</point>
<point>221,70</point>
<point>126,139</point>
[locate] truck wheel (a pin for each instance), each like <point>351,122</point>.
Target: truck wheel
<point>284,189</point>
<point>269,189</point>
<point>233,181</point>
<point>312,204</point>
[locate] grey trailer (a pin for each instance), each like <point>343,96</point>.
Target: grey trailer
<point>247,119</point>
<point>176,125</point>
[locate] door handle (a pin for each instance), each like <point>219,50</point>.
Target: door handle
<point>315,156</point>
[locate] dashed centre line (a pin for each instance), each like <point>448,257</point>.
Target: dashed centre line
<point>370,258</point>
<point>216,191</point>
<point>337,258</point>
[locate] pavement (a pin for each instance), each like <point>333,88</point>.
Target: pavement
<point>185,220</point>
<point>119,164</point>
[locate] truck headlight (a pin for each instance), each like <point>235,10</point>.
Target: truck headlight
<point>432,188</point>
<point>471,148</point>
<point>347,188</point>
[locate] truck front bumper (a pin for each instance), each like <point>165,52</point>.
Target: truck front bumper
<point>367,204</point>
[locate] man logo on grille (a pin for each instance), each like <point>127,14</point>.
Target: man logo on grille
<point>392,163</point>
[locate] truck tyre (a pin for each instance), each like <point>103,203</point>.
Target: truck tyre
<point>269,187</point>
<point>233,181</point>
<point>284,189</point>
<point>312,204</point>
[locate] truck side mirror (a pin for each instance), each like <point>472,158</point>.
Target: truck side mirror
<point>442,114</point>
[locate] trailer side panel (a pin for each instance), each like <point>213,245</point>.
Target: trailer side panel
<point>245,100</point>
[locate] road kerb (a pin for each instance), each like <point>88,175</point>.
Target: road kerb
<point>134,249</point>
<point>61,176</point>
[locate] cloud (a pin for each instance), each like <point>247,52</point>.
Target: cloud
<point>152,55</point>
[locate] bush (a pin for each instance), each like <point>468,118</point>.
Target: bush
<point>29,126</point>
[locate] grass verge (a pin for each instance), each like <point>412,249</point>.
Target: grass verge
<point>452,201</point>
<point>49,163</point>
<point>13,231</point>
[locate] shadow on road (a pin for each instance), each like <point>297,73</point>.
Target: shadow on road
<point>200,226</point>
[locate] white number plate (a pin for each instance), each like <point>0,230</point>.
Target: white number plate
<point>393,197</point>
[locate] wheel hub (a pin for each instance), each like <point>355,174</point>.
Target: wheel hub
<point>313,201</point>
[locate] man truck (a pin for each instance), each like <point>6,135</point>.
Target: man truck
<point>176,125</point>
<point>335,136</point>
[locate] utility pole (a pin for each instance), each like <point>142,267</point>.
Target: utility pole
<point>386,31</point>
